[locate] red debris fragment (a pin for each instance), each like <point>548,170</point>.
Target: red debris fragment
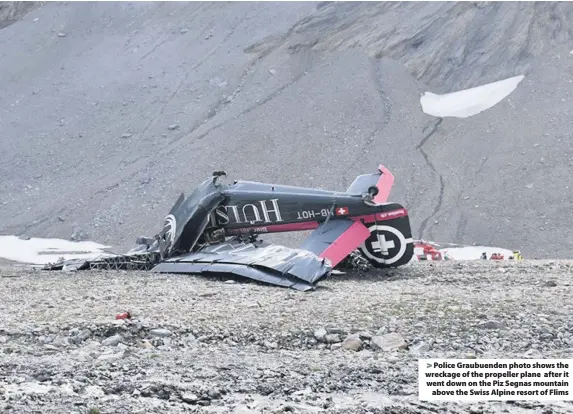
<point>124,315</point>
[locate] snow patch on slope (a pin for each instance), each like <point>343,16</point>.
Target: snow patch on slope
<point>42,251</point>
<point>474,252</point>
<point>468,102</point>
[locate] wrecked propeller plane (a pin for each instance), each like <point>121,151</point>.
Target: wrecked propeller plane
<point>214,231</point>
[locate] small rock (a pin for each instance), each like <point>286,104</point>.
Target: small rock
<point>126,135</point>
<point>272,71</point>
<point>44,339</point>
<point>214,393</point>
<point>183,30</point>
<point>320,334</point>
<point>94,391</point>
<point>60,341</point>
<point>420,348</point>
<point>61,34</point>
<point>146,344</point>
<point>189,398</point>
<point>79,235</point>
<point>332,338</point>
<point>82,336</point>
<point>160,332</point>
<point>365,335</point>
<point>334,347</point>
<point>173,127</point>
<point>490,325</point>
<point>67,389</point>
<point>550,283</point>
<point>352,343</point>
<point>111,357</point>
<point>389,342</point>
<point>112,340</point>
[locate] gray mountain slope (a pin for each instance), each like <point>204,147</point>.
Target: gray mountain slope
<point>12,11</point>
<point>299,93</point>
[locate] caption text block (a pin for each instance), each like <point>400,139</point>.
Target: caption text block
<point>495,379</point>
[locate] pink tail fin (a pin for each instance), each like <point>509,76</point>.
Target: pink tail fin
<point>384,185</point>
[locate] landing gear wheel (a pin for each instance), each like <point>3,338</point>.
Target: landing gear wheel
<point>386,247</point>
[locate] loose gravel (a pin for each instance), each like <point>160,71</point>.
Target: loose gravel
<point>219,346</point>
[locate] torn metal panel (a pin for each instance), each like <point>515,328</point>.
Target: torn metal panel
<point>273,264</point>
<point>216,269</point>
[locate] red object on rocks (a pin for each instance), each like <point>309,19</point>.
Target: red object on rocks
<point>425,251</point>
<point>124,315</point>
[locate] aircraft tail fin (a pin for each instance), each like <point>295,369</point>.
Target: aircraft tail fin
<point>378,185</point>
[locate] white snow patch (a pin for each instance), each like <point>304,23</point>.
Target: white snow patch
<point>474,252</point>
<point>42,251</point>
<point>468,102</point>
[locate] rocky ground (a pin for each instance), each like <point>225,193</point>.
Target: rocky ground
<point>214,346</point>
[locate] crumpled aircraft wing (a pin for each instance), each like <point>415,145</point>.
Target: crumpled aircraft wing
<point>273,264</point>
<point>336,239</point>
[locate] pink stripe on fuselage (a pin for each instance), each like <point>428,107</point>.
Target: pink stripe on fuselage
<point>311,225</point>
<point>277,228</point>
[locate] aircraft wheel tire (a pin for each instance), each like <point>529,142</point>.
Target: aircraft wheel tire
<point>399,249</point>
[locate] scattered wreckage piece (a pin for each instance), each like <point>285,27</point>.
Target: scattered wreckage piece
<point>427,251</point>
<point>214,231</point>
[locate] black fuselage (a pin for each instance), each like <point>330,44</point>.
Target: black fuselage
<point>379,230</point>
<point>255,208</point>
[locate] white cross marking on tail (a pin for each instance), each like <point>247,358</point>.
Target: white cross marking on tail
<point>342,211</point>
<point>383,244</point>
